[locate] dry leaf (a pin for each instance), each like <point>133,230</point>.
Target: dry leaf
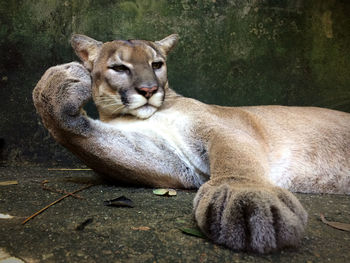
<point>5,216</point>
<point>4,183</point>
<point>141,228</point>
<point>6,257</point>
<point>164,192</point>
<point>121,201</point>
<point>337,225</point>
<point>193,232</point>
<point>171,192</point>
<point>160,191</point>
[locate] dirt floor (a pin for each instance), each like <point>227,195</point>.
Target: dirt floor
<point>85,230</point>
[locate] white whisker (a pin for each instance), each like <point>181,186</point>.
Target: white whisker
<point>111,105</point>
<point>117,109</point>
<point>106,100</point>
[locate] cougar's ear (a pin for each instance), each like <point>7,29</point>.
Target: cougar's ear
<point>86,48</point>
<point>168,43</point>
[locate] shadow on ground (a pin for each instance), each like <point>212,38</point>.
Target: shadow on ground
<point>149,232</point>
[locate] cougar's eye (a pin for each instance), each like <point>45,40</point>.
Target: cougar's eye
<point>120,68</point>
<point>157,65</point>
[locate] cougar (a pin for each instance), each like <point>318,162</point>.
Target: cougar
<point>244,160</point>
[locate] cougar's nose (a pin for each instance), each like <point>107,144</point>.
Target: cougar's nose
<point>147,92</point>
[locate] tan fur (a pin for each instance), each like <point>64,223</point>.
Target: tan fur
<point>243,160</point>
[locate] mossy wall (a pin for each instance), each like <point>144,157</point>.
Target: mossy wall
<point>231,52</point>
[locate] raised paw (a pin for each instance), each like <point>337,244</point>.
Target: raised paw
<point>60,95</point>
<point>251,218</point>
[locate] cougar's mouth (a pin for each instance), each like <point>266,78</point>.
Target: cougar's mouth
<point>144,111</point>
<point>142,107</point>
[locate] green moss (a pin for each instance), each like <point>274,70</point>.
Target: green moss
<point>294,52</point>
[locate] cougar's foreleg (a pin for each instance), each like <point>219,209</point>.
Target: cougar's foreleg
<point>239,208</point>
<point>121,155</point>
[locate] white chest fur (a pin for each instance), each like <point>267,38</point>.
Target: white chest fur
<point>173,131</point>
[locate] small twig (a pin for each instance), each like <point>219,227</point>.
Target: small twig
<point>55,202</point>
<point>69,169</point>
<point>6,183</point>
<point>45,187</point>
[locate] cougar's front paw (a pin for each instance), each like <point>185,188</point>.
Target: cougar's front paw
<point>60,95</point>
<point>249,218</point>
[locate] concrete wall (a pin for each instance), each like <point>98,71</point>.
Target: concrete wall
<point>231,52</point>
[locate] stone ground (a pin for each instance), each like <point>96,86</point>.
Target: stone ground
<point>149,232</point>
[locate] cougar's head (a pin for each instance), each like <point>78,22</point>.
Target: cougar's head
<point>129,77</point>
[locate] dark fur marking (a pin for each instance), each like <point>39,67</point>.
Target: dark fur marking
<point>224,198</point>
<point>275,221</point>
<point>246,211</point>
<point>124,97</point>
<point>111,52</point>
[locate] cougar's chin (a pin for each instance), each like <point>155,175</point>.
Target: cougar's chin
<point>144,112</point>
<point>143,108</point>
